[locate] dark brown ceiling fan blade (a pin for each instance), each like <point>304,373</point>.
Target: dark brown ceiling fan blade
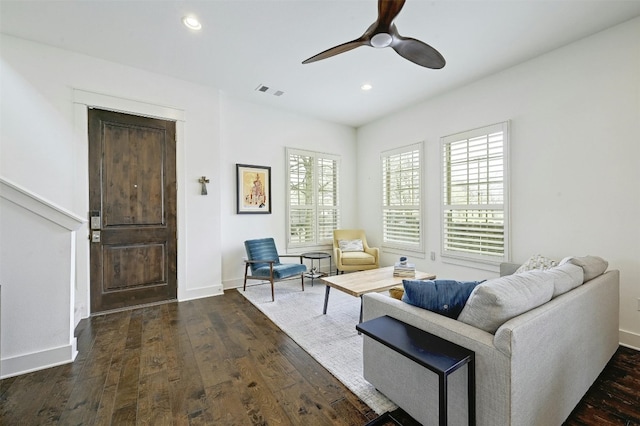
<point>387,11</point>
<point>345,47</point>
<point>418,52</point>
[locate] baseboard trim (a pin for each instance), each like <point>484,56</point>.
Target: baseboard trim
<point>35,361</point>
<point>234,283</point>
<point>630,339</point>
<point>199,293</point>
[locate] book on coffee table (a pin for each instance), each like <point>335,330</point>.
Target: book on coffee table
<point>405,270</point>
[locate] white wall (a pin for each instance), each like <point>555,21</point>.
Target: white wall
<point>256,135</point>
<point>575,157</point>
<point>43,148</point>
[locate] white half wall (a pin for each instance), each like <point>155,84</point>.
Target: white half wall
<point>38,273</point>
<point>575,158</point>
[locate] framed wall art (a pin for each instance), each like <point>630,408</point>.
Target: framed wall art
<point>253,189</point>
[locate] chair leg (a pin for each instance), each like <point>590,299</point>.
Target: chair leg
<point>246,268</point>
<point>302,280</point>
<point>273,297</point>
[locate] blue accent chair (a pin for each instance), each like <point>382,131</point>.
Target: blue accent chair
<point>263,261</point>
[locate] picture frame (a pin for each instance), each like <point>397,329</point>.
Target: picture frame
<point>253,189</point>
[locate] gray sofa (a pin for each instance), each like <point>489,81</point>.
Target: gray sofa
<point>532,371</point>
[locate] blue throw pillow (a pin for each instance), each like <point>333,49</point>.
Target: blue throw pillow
<point>445,297</point>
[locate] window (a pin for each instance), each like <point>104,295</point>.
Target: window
<point>475,214</point>
<point>313,207</point>
<point>401,213</point>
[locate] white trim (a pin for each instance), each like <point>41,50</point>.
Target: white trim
<point>630,339</point>
<point>38,205</point>
<point>418,250</point>
<point>198,293</point>
<point>302,247</point>
<point>127,106</point>
<point>479,261</point>
<point>40,360</point>
<point>82,100</point>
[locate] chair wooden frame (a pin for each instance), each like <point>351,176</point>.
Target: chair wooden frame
<point>270,278</point>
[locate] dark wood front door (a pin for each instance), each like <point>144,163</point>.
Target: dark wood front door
<point>132,203</point>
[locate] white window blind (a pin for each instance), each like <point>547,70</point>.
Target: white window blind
<point>313,207</point>
<point>401,187</point>
<point>475,216</point>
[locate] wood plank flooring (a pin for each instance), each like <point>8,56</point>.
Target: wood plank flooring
<point>220,361</point>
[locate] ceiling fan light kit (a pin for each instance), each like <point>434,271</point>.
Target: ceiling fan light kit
<point>191,22</point>
<point>383,33</point>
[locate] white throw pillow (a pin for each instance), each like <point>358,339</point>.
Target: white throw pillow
<point>496,301</point>
<point>537,262</point>
<point>350,245</point>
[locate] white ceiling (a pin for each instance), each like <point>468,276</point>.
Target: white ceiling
<point>247,43</point>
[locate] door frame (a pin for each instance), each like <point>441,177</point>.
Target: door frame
<point>83,100</point>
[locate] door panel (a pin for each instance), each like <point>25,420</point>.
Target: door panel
<point>132,186</point>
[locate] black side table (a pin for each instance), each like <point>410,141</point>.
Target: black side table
<point>430,351</point>
<point>317,255</point>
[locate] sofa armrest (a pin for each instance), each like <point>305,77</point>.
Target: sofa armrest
<point>508,268</point>
<point>377,304</point>
<point>337,256</point>
<point>373,251</point>
<point>558,349</point>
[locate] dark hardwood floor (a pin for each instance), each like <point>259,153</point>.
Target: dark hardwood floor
<point>220,361</point>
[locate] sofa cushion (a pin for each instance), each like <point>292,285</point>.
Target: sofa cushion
<point>565,277</point>
<point>536,262</point>
<point>350,245</point>
<point>593,266</point>
<point>445,297</point>
<point>280,270</point>
<point>357,258</point>
<point>497,300</point>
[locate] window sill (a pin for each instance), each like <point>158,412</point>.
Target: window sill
<point>484,265</point>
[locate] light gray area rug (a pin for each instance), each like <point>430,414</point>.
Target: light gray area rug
<point>331,339</point>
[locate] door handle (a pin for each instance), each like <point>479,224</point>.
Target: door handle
<point>94,236</point>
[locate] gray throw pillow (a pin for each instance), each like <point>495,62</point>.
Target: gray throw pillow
<point>496,301</point>
<point>565,277</point>
<point>593,266</point>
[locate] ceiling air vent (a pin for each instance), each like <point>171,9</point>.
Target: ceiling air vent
<point>265,89</point>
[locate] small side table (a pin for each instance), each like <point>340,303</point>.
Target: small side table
<point>430,351</point>
<point>317,255</point>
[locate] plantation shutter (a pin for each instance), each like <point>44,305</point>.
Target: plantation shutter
<point>302,221</point>
<point>475,196</point>
<point>327,198</point>
<point>401,183</point>
<point>313,205</point>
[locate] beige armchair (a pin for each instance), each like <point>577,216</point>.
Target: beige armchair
<point>354,256</point>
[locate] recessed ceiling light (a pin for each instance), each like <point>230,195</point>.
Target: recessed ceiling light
<point>191,22</point>
<point>366,87</point>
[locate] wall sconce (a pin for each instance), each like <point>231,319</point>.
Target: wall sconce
<point>203,181</point>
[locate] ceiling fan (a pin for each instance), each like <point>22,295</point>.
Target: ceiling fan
<point>383,33</point>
